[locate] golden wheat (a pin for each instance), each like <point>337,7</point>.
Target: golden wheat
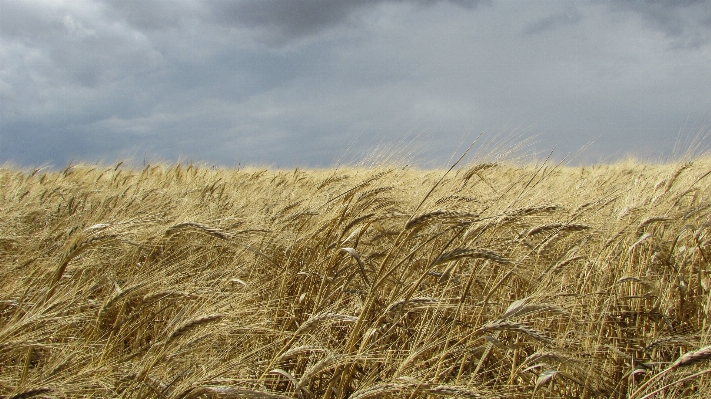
<point>185,281</point>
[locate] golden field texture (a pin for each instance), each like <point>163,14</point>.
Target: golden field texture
<point>490,280</point>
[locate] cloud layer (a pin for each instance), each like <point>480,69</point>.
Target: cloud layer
<point>306,83</point>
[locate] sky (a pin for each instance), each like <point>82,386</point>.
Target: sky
<point>315,83</point>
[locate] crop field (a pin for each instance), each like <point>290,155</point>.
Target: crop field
<point>488,280</point>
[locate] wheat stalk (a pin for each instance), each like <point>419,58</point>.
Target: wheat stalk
<point>229,392</point>
<point>687,359</point>
<point>445,215</point>
<point>352,252</point>
<point>557,227</point>
<point>31,393</point>
<point>693,357</point>
<point>383,389</point>
<point>299,351</point>
<point>75,250</point>
<point>500,325</point>
<point>117,297</point>
<point>191,325</point>
<point>651,220</point>
<point>312,322</point>
<point>461,253</point>
<point>199,227</point>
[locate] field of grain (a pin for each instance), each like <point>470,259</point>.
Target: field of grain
<point>490,280</point>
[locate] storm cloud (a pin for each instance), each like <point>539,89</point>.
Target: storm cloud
<point>310,82</point>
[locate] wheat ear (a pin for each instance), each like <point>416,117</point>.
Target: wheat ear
<point>192,324</point>
<point>352,252</point>
<point>687,359</point>
<point>74,251</point>
<point>460,253</point>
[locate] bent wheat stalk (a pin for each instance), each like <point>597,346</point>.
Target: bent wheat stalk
<point>687,359</point>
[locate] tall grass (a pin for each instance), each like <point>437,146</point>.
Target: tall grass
<point>507,281</point>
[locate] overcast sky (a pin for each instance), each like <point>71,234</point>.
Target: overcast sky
<point>313,82</point>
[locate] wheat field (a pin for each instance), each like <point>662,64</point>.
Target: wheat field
<point>490,280</point>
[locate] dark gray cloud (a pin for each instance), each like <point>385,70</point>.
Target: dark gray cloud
<point>303,83</point>
<point>157,15</point>
<point>280,21</point>
<point>685,21</point>
<point>569,16</point>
